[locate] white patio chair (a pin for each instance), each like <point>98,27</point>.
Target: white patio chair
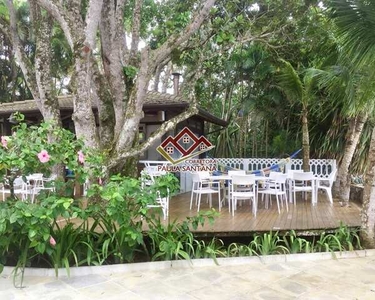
<point>228,183</point>
<point>17,187</point>
<point>33,186</point>
<point>326,184</point>
<point>163,203</point>
<point>243,187</point>
<point>203,186</point>
<point>276,188</point>
<point>153,172</point>
<point>304,183</point>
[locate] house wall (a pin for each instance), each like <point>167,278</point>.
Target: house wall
<point>195,124</point>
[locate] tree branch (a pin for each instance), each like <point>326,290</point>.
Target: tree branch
<point>92,21</point>
<point>4,28</point>
<point>135,31</point>
<point>57,11</point>
<point>176,40</point>
<point>164,128</point>
<point>21,57</point>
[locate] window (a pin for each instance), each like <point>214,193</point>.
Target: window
<point>202,146</point>
<point>186,139</point>
<point>170,150</point>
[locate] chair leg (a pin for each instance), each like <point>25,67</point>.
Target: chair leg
<point>219,199</point>
<point>199,200</point>
<point>233,205</point>
<point>278,204</point>
<point>286,202</point>
<point>191,198</point>
<point>329,193</point>
<point>255,206</point>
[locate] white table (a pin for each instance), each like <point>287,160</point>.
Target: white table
<point>229,178</point>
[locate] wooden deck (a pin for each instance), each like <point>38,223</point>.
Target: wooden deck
<point>301,217</point>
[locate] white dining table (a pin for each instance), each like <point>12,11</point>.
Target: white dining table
<point>229,178</point>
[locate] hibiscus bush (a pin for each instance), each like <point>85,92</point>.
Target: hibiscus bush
<point>37,149</point>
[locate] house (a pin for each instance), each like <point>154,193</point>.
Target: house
<point>158,108</point>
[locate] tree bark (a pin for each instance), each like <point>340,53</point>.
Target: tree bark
<point>305,142</point>
<point>113,47</point>
<point>341,186</point>
<point>368,206</point>
<point>48,103</point>
<point>38,79</point>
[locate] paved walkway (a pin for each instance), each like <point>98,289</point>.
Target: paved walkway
<point>327,279</point>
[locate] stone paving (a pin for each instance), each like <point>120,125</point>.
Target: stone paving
<point>352,278</point>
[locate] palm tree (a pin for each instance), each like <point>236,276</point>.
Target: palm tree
<point>355,20</point>
<point>351,91</point>
<point>298,90</point>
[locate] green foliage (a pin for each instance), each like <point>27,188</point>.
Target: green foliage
<point>176,241</point>
<point>295,244</point>
<point>20,155</point>
<point>267,244</point>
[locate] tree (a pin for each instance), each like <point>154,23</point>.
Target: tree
<point>356,22</point>
<point>298,91</point>
<point>109,71</point>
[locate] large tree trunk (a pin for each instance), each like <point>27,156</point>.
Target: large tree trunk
<point>39,79</point>
<point>368,207</point>
<point>341,187</point>
<point>305,142</point>
<point>83,116</point>
<point>47,102</point>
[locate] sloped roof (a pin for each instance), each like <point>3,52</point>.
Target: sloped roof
<point>153,100</point>
<point>66,103</point>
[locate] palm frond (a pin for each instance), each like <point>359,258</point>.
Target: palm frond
<point>355,20</point>
<point>290,82</point>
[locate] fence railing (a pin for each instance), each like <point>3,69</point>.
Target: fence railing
<point>320,167</point>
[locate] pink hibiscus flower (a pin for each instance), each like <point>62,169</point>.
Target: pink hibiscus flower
<point>43,156</point>
<point>81,157</point>
<point>4,142</point>
<point>52,241</point>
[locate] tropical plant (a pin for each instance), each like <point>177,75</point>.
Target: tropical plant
<point>268,243</point>
<point>355,20</point>
<point>298,91</point>
<point>296,244</point>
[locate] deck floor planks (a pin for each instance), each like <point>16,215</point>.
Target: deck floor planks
<point>302,216</point>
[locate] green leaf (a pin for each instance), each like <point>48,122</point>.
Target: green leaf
<point>32,233</point>
<point>13,218</point>
<point>66,205</point>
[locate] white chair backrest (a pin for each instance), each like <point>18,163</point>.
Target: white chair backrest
<point>280,178</point>
<point>18,182</point>
<point>236,172</point>
<point>162,201</point>
<point>303,176</point>
<point>290,173</point>
<point>154,171</point>
<point>199,176</point>
<point>243,179</point>
<point>37,175</point>
<point>274,175</point>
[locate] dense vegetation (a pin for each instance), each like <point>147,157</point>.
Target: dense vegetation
<point>284,74</point>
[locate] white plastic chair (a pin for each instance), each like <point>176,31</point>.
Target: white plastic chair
<point>278,189</point>
<point>303,182</point>
<point>153,172</point>
<point>326,184</point>
<point>33,186</point>
<point>203,186</point>
<point>243,188</point>
<point>18,186</point>
<point>163,203</point>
